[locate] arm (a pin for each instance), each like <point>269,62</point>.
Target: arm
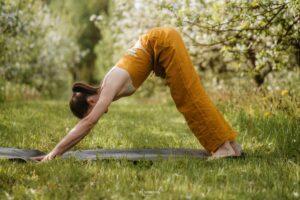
<point>113,85</point>
<point>81,129</point>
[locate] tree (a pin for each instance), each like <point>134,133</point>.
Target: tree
<point>33,53</point>
<point>77,15</point>
<point>253,36</point>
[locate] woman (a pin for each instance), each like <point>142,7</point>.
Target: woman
<point>162,51</point>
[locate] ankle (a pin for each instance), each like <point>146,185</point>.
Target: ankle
<point>225,149</point>
<point>236,147</point>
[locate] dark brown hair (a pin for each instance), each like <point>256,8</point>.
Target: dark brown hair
<point>78,102</point>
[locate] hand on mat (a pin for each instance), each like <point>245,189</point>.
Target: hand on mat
<point>48,157</point>
<point>38,158</point>
<point>44,158</point>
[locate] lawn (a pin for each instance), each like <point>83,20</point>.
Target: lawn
<point>270,138</point>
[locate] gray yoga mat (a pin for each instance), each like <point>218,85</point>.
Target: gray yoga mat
<point>104,154</point>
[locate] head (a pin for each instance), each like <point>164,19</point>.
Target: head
<point>83,100</point>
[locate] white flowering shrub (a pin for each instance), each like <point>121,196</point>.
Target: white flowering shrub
<point>45,51</point>
<point>33,48</point>
<point>256,37</point>
<point>239,38</point>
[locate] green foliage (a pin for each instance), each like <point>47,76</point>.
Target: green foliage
<point>105,47</point>
<point>258,37</point>
<point>45,45</point>
<point>34,51</point>
<point>79,26</point>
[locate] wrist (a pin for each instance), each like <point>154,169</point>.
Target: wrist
<point>55,152</point>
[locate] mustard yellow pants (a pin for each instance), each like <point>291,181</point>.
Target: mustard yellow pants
<point>163,51</point>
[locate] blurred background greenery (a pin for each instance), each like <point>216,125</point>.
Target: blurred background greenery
<point>46,45</point>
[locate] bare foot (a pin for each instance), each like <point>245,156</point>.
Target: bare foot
<point>226,150</point>
<point>237,148</point>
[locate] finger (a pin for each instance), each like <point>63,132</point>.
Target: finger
<point>37,158</point>
<point>46,158</point>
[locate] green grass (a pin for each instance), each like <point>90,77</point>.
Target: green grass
<point>270,171</point>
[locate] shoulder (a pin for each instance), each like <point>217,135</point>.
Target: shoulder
<point>120,70</point>
<point>116,76</point>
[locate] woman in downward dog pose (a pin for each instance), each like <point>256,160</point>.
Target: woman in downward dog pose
<point>162,51</point>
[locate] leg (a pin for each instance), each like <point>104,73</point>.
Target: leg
<point>203,118</point>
